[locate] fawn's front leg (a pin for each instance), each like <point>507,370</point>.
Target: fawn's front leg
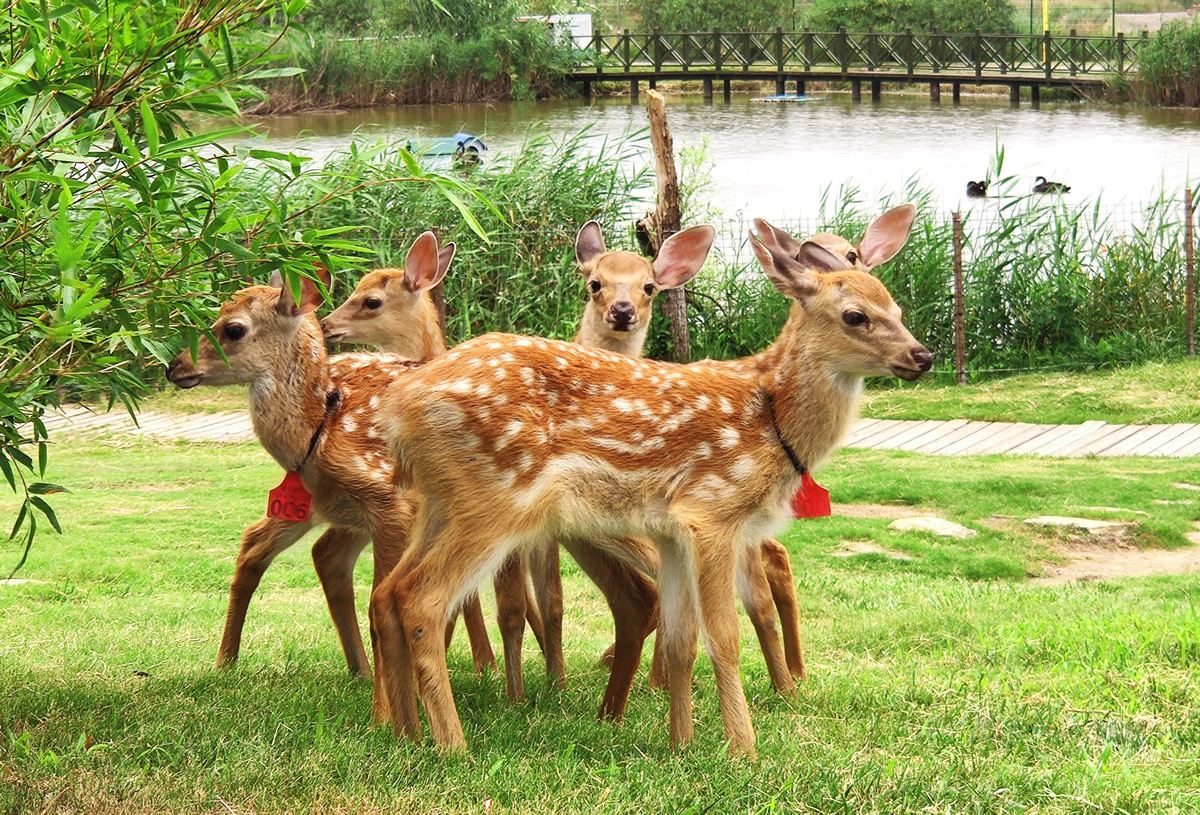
<point>334,555</point>
<point>778,569</point>
<point>714,553</point>
<point>756,598</point>
<point>547,584</point>
<point>261,542</point>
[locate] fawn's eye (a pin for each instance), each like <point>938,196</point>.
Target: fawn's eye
<point>650,289</point>
<point>854,318</point>
<point>372,303</point>
<point>234,331</point>
<point>594,286</point>
<point>852,256</point>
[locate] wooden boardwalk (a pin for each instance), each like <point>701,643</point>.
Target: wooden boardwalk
<point>956,437</point>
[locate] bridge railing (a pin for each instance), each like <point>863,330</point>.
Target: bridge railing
<point>1051,55</point>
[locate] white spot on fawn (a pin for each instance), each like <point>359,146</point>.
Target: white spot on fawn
<point>742,469</point>
<point>349,425</point>
<point>726,405</point>
<point>729,437</point>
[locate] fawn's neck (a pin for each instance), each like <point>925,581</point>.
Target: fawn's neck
<point>595,333</point>
<point>287,402</point>
<point>814,405</point>
<point>423,338</point>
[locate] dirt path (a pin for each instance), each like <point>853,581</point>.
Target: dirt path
<point>1103,557</point>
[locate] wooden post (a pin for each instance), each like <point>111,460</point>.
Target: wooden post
<point>935,91</point>
<point>708,90</point>
<point>960,341</point>
<point>1189,254</point>
<point>876,89</point>
<point>856,90</point>
<point>726,91</point>
<point>956,92</point>
<point>667,218</point>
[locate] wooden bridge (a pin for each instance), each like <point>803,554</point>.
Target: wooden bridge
<point>1033,61</point>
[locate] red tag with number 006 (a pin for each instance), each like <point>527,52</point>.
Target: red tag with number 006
<point>290,501</point>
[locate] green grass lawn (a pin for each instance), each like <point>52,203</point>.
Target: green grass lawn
<point>1156,392</point>
<point>944,683</point>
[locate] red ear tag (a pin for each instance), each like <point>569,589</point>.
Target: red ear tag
<point>811,500</point>
<point>290,501</point>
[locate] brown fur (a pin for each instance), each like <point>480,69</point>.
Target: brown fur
<point>613,278</point>
<point>283,360</point>
<point>517,440</point>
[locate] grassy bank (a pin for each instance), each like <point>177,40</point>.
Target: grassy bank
<point>941,683</point>
<point>1154,393</point>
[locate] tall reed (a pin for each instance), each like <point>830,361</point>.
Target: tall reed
<point>1169,66</point>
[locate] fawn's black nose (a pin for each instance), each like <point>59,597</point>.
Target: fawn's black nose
<point>172,367</point>
<point>923,358</point>
<point>623,312</point>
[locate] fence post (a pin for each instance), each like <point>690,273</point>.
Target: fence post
<point>910,57</point>
<point>625,50</point>
<point>1047,55</point>
<point>960,341</point>
<point>978,55</point>
<point>808,50</point>
<point>1189,255</point>
<point>598,41</point>
<point>1121,54</point>
<point>1071,52</point>
<point>657,52</point>
<point>666,219</point>
<point>844,50</point>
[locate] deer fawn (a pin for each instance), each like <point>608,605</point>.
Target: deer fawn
<point>392,309</point>
<point>622,287</point>
<point>272,345</point>
<point>515,441</point>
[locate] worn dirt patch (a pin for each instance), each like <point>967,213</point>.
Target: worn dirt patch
<point>889,512</point>
<point>852,548</point>
<point>1111,554</point>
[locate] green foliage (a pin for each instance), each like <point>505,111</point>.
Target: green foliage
<point>462,19</point>
<point>341,16</point>
<point>512,61</point>
<point>524,278</point>
<point>952,16</point>
<point>1055,283</point>
<point>1169,66</point>
<point>119,225</point>
<point>707,15</point>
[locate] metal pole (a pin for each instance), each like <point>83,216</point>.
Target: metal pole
<point>960,340</point>
<point>1189,254</point>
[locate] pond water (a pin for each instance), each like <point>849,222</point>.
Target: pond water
<point>773,160</point>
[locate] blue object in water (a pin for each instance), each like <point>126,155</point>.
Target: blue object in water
<point>465,147</point>
<point>788,97</point>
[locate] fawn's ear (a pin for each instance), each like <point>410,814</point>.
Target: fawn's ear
<point>589,244</point>
<point>886,235</point>
<point>791,276</point>
<point>310,296</point>
<point>785,241</point>
<point>682,255</point>
<point>421,264</point>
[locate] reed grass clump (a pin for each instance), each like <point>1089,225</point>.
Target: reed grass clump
<point>523,279</point>
<point>511,61</point>
<point>1169,66</point>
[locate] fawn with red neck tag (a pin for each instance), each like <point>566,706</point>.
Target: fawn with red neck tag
<point>515,441</point>
<point>392,309</point>
<point>273,344</point>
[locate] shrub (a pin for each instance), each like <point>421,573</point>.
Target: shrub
<point>707,15</point>
<point>952,16</point>
<point>1169,66</point>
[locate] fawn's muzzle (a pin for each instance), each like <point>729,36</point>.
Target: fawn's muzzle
<point>622,315</point>
<point>922,361</point>
<point>331,335</point>
<point>182,375</point>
